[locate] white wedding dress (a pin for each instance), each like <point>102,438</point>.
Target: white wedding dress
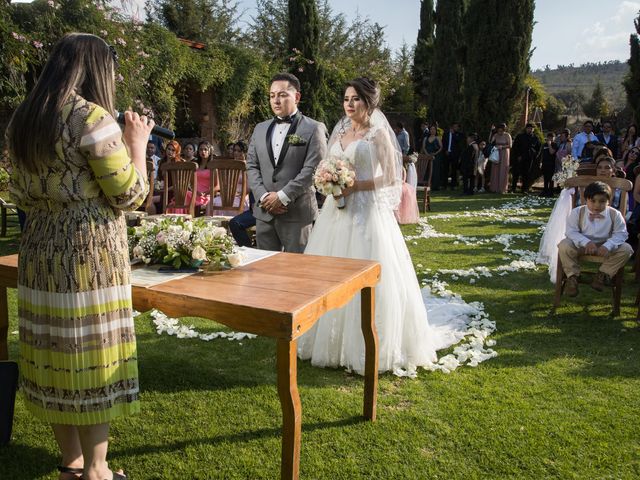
<point>367,229</point>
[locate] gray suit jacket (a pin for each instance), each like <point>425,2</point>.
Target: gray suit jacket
<point>293,174</point>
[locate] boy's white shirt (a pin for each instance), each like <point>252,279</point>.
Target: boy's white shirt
<point>599,230</point>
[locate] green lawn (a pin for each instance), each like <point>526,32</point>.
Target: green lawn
<point>562,399</point>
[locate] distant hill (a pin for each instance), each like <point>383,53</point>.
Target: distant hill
<point>567,78</point>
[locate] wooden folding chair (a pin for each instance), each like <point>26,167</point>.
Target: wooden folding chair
<point>181,176</point>
<point>6,209</point>
<point>230,173</point>
<point>579,183</point>
<point>424,170</point>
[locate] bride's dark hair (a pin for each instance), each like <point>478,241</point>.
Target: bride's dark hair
<point>367,90</point>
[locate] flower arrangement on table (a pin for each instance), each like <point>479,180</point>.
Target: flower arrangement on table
<point>183,243</point>
<point>332,175</point>
<point>569,169</point>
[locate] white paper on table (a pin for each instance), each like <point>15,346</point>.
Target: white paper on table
<point>149,276</point>
<point>253,255</point>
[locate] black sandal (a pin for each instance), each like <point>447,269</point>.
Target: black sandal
<point>118,476</point>
<point>77,472</point>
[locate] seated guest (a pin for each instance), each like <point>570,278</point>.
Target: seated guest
<point>171,154</point>
<point>609,139</point>
<point>238,151</point>
<point>594,229</point>
<point>241,223</point>
<point>581,140</point>
<point>152,157</point>
<point>554,231</point>
<point>203,179</point>
<point>152,161</point>
<point>189,152</point>
<point>630,139</point>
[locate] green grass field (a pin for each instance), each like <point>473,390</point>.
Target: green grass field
<point>562,399</point>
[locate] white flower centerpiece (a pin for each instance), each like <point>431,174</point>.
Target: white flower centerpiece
<point>569,169</point>
<point>183,243</point>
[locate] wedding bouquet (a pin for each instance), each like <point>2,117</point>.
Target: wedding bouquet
<point>407,159</point>
<point>569,169</point>
<point>182,243</point>
<point>332,175</point>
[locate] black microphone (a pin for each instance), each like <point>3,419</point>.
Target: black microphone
<point>157,129</point>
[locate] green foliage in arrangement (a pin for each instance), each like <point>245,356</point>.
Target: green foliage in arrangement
<point>632,80</point>
<point>444,98</point>
<point>423,55</point>
<point>493,90</point>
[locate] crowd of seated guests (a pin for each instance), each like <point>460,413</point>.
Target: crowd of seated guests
<point>201,154</point>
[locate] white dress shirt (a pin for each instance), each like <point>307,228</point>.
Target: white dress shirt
<point>599,230</point>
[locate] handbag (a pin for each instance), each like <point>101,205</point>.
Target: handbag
<point>494,156</point>
<point>8,386</point>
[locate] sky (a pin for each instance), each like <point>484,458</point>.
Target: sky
<point>566,31</point>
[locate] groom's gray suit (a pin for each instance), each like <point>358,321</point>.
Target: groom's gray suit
<point>292,174</point>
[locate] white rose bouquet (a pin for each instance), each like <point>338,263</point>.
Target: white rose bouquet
<point>569,169</point>
<point>332,176</point>
<point>183,243</point>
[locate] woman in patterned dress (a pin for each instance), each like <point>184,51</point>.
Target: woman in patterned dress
<point>74,176</point>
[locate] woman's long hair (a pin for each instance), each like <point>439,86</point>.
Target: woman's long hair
<point>80,62</point>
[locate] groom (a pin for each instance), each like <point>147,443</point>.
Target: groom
<point>283,155</point>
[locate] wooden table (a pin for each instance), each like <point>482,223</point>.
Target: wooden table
<point>281,296</point>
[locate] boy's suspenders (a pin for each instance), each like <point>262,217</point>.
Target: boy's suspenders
<point>612,216</point>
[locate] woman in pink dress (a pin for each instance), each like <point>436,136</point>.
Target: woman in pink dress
<point>203,185</point>
<point>500,171</point>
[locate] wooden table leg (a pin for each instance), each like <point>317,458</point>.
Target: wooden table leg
<point>371,352</point>
<point>287,366</point>
<point>4,324</point>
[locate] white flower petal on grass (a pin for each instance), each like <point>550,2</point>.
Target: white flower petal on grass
<point>171,326</point>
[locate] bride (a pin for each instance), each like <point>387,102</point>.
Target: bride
<point>367,229</point>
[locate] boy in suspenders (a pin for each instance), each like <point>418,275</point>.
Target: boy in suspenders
<point>594,229</point>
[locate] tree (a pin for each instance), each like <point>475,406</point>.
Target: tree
<point>498,41</point>
<point>400,96</point>
<point>445,88</point>
<point>345,50</point>
<point>632,81</point>
<point>597,106</point>
<point>304,34</point>
<point>199,20</point>
<point>422,60</point>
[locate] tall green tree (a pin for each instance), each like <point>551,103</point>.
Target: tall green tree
<point>632,81</point>
<point>498,41</point>
<point>199,20</point>
<point>444,97</point>
<point>304,34</point>
<point>422,60</point>
<point>597,106</point>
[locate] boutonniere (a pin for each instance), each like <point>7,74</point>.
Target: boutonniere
<point>296,140</point>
